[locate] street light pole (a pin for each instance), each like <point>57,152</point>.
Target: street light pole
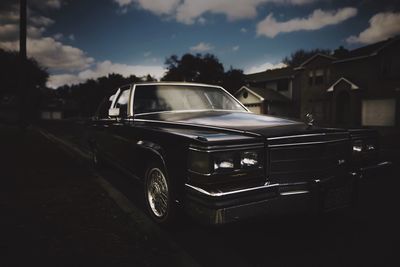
<point>22,60</point>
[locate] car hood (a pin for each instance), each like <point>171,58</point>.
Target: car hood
<point>243,121</point>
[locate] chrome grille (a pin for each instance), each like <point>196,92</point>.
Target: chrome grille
<point>298,160</point>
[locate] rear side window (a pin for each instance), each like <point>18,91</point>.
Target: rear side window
<point>122,102</point>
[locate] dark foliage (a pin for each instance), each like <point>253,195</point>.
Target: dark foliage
<point>203,69</point>
<point>301,55</point>
<point>10,66</point>
<point>86,96</point>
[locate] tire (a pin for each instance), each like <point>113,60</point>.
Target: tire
<point>159,195</point>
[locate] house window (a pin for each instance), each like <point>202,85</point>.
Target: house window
<point>319,76</point>
<point>379,112</point>
<point>245,94</point>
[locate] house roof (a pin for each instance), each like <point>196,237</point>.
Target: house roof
<point>267,94</point>
<point>313,57</point>
<point>369,50</point>
<point>268,75</point>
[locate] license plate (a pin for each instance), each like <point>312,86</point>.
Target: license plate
<point>337,197</point>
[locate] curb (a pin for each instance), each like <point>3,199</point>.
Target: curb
<point>135,214</point>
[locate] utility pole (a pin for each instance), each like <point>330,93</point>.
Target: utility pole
<point>22,59</point>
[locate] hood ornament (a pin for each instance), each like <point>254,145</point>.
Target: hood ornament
<point>310,119</point>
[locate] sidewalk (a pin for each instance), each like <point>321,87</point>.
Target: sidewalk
<point>54,214</point>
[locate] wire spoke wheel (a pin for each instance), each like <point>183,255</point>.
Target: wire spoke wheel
<point>157,193</point>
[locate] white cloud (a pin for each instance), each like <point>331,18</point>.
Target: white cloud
<point>41,21</point>
<point>235,48</point>
<point>201,47</point>
<point>102,69</point>
<point>381,27</point>
<point>58,36</point>
<point>8,31</point>
<point>123,3</point>
<point>71,37</point>
<point>147,54</point>
<point>243,30</point>
<point>189,11</point>
<point>53,54</point>
<point>264,67</point>
<point>56,4</point>
<point>158,7</point>
<point>270,27</point>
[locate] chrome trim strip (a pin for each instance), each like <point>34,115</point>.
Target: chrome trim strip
<point>379,165</point>
<point>309,143</point>
<point>221,194</point>
<point>227,148</point>
<point>303,135</point>
<point>299,192</point>
<point>188,111</point>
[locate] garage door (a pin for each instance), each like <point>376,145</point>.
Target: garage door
<point>254,108</point>
<point>379,112</point>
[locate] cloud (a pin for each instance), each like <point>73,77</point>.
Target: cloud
<point>189,11</point>
<point>264,67</point>
<point>45,4</point>
<point>158,7</point>
<point>201,47</point>
<point>235,48</point>
<point>381,27</point>
<point>41,21</point>
<point>50,52</point>
<point>243,30</point>
<point>270,27</point>
<point>53,54</point>
<point>102,69</point>
<point>8,31</point>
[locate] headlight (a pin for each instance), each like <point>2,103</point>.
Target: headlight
<point>357,146</point>
<point>208,163</point>
<point>370,147</point>
<point>249,159</point>
<point>200,162</point>
<point>224,161</point>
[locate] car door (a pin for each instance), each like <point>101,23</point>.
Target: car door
<point>123,132</point>
<point>101,128</point>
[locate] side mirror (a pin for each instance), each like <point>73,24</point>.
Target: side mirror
<point>113,112</point>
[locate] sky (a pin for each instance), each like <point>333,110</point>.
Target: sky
<point>79,40</point>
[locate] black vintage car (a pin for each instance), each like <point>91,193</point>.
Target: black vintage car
<point>197,148</point>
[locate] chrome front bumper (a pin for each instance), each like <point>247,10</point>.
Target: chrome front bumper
<point>223,207</point>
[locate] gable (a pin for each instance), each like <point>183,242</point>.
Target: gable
<point>344,84</point>
<point>318,60</point>
<point>247,96</point>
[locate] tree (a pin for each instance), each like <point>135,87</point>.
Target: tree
<point>233,80</point>
<point>10,65</point>
<point>299,56</point>
<point>194,68</point>
<point>203,69</point>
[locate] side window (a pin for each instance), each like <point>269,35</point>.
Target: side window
<point>122,102</point>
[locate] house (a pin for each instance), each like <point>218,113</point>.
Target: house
<point>269,92</point>
<point>264,100</point>
<point>353,88</point>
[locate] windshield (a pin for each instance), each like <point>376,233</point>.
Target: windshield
<point>156,98</point>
